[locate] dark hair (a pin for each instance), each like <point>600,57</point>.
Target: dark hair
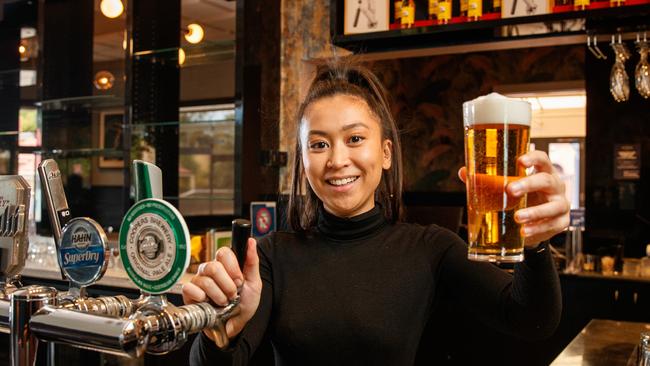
<point>356,81</point>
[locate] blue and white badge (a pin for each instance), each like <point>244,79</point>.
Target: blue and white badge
<point>83,255</point>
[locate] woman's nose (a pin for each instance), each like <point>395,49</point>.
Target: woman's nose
<point>339,157</point>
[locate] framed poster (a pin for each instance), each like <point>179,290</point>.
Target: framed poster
<point>110,137</point>
<point>365,16</point>
<point>523,8</point>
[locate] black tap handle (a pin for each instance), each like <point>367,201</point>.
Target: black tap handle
<point>241,231</point>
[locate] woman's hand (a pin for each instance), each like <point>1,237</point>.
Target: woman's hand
<point>547,211</point>
<point>219,280</point>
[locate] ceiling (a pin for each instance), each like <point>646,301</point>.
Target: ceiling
<point>217,17</point>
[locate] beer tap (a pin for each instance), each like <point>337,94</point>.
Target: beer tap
<point>14,213</point>
<point>57,204</point>
<point>154,249</point>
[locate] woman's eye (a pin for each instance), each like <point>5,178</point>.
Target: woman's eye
<point>318,145</point>
<point>356,139</point>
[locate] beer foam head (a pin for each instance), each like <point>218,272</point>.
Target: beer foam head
<point>495,108</point>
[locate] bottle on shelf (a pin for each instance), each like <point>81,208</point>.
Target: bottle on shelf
<point>408,13</point>
<point>496,6</point>
<point>398,11</point>
<point>474,9</point>
<point>615,3</point>
<point>433,9</point>
<point>581,4</point>
<point>444,11</point>
<point>464,7</point>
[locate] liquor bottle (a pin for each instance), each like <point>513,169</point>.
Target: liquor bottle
<point>615,3</point>
<point>433,9</point>
<point>398,10</point>
<point>474,9</point>
<point>408,13</point>
<point>496,6</point>
<point>488,6</point>
<point>444,11</point>
<point>581,4</point>
<point>464,6</point>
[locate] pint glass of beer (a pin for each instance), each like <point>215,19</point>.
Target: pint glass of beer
<point>496,134</point>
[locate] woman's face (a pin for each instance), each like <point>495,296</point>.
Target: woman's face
<point>343,153</point>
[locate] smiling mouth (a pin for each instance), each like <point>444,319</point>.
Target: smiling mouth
<point>342,182</point>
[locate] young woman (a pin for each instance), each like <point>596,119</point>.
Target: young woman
<point>352,284</point>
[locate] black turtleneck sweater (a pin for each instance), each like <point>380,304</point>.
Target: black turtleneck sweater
<point>359,291</point>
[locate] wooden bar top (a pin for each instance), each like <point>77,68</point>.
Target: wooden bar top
<point>603,343</point>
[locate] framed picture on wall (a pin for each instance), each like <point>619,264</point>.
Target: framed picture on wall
<point>110,137</point>
<point>365,16</point>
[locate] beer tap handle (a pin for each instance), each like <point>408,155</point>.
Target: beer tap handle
<point>57,204</point>
<point>147,179</point>
<point>241,231</point>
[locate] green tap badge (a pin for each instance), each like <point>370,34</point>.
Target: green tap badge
<point>154,245</point>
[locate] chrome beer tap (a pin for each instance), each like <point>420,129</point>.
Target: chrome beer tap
<point>14,213</point>
<point>155,251</point>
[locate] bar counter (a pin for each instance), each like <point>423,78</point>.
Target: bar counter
<point>603,343</point>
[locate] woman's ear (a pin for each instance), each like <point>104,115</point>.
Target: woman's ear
<point>387,150</point>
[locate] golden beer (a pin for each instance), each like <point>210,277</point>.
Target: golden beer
<point>497,132</point>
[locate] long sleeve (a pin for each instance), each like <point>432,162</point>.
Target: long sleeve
<point>242,348</point>
<point>527,304</point>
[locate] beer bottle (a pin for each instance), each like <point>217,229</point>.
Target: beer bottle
<point>397,10</point>
<point>444,11</point>
<point>581,4</point>
<point>464,6</point>
<point>408,13</point>
<point>433,9</point>
<point>474,9</point>
<point>496,6</point>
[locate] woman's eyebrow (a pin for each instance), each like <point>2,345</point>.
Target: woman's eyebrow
<point>345,128</point>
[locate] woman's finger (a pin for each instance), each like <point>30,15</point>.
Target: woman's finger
<point>546,228</point>
<point>192,293</point>
<point>462,174</point>
<point>252,265</point>
<point>211,289</point>
<point>227,257</point>
<point>217,272</point>
<point>538,182</point>
<point>537,158</point>
<point>544,211</point>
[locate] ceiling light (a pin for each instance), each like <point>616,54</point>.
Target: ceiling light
<point>104,80</point>
<point>194,33</point>
<point>111,8</point>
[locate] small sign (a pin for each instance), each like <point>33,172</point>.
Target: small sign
<point>627,161</point>
<point>83,254</point>
<point>577,218</point>
<point>524,8</point>
<point>365,16</point>
<point>263,218</point>
<point>154,245</point>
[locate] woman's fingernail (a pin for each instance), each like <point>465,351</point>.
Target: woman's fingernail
<point>522,216</point>
<point>238,282</point>
<point>527,230</point>
<point>516,187</point>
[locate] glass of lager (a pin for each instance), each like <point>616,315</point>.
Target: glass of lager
<point>497,132</point>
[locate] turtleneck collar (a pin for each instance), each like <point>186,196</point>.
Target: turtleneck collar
<point>351,228</point>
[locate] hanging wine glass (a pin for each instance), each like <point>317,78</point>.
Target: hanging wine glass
<point>642,71</point>
<point>619,82</point>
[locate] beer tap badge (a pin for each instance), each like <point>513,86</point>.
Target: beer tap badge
<point>154,245</point>
<point>83,253</point>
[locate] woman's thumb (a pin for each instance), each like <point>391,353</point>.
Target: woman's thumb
<point>251,270</point>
